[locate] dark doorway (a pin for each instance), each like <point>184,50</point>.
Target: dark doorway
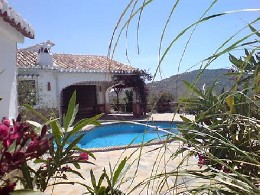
<point>86,98</point>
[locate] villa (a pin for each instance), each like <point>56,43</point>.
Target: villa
<point>57,76</point>
<point>53,76</point>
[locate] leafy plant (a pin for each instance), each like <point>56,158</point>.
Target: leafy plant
<point>137,82</point>
<point>225,134</point>
<point>160,102</point>
<point>19,144</point>
<point>129,100</point>
<point>99,188</point>
<point>64,154</point>
<point>26,92</point>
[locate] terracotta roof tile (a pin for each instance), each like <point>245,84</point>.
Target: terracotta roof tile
<point>10,16</point>
<point>72,61</point>
<point>26,58</point>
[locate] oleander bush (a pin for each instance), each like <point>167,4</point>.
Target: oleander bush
<point>42,153</point>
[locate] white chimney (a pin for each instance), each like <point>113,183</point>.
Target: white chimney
<point>44,54</point>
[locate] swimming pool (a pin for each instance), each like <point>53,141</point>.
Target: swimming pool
<point>125,133</point>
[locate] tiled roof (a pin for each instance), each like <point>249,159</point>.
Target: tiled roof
<point>15,20</point>
<point>28,59</point>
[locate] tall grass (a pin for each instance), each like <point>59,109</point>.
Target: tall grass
<point>218,152</point>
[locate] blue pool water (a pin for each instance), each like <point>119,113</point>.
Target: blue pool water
<point>121,134</point>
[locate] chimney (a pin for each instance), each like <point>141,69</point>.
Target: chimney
<point>44,54</point>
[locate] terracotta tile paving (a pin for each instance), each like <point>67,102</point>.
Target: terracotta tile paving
<point>153,159</point>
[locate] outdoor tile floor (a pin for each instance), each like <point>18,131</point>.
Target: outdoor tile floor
<point>151,159</point>
<point>148,161</point>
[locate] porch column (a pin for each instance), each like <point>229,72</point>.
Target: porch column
<point>136,106</point>
<point>107,104</point>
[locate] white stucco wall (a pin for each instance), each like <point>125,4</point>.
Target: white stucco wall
<point>60,80</point>
<point>8,89</point>
<point>68,78</point>
<point>47,99</point>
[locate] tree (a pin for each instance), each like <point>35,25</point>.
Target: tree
<point>129,100</point>
<point>161,102</point>
<point>136,81</point>
<point>27,92</point>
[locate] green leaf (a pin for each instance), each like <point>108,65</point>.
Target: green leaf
<point>185,119</point>
<point>254,30</point>
<point>27,176</point>
<point>93,179</point>
<point>12,147</point>
<point>56,131</point>
<point>28,107</point>
<point>73,143</point>
<point>100,181</point>
<point>82,123</point>
<point>36,161</point>
<point>26,192</point>
<point>193,88</point>
<point>77,173</point>
<point>118,171</point>
<point>230,102</point>
<point>76,165</point>
<point>102,190</point>
<point>83,150</point>
<point>71,112</point>
<point>90,190</point>
<point>237,62</point>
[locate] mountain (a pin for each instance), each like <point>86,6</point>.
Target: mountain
<point>175,85</point>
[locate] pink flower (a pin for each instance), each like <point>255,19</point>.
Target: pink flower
<point>8,188</point>
<point>15,158</point>
<point>83,156</point>
<point>6,122</point>
<point>3,168</point>
<point>13,136</point>
<point>226,170</point>
<point>4,131</point>
<point>37,147</point>
<point>202,160</point>
<point>32,145</point>
<point>43,146</point>
<point>18,157</point>
<point>7,143</point>
<point>219,166</point>
<point>44,131</point>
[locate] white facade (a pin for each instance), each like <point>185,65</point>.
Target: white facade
<point>13,29</point>
<point>57,75</point>
<point>50,83</point>
<point>8,48</point>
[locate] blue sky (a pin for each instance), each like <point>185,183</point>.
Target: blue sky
<point>86,26</point>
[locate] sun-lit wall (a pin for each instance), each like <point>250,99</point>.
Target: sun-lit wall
<point>51,82</point>
<point>8,89</point>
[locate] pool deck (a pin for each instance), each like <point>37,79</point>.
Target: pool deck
<point>149,117</point>
<point>151,158</point>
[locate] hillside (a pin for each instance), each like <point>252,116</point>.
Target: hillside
<point>175,86</point>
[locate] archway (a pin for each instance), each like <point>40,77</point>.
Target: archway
<point>121,101</point>
<point>86,98</point>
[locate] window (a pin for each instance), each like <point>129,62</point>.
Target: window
<point>27,92</point>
